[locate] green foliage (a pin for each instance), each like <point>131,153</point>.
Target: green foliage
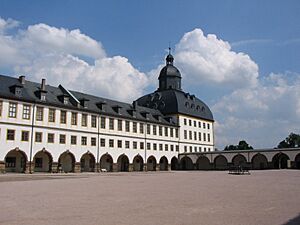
<point>243,145</point>
<point>292,141</point>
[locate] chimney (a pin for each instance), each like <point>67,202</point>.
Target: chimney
<point>22,79</point>
<point>134,104</point>
<point>43,85</point>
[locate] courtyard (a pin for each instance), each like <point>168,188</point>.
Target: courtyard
<point>181,197</point>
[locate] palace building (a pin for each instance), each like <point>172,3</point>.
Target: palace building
<point>52,129</point>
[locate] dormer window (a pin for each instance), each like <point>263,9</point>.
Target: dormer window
<point>117,109</point>
<point>132,112</point>
<point>101,105</point>
<point>64,99</point>
<point>145,115</point>
<point>83,102</point>
<point>43,97</point>
<point>16,90</point>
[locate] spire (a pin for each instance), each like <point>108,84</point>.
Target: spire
<point>170,58</point>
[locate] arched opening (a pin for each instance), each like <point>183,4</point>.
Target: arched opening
<point>174,163</point>
<point>239,160</point>
<point>297,161</point>
<point>186,163</point>
<point>15,161</point>
<point>87,162</point>
<point>151,163</point>
<point>106,162</point>
<point>220,163</point>
<point>259,162</point>
<point>66,162</point>
<point>163,164</point>
<point>42,161</point>
<point>280,161</point>
<point>123,163</point>
<point>138,163</point>
<point>203,163</point>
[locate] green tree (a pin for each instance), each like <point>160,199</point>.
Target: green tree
<point>243,145</point>
<point>291,141</point>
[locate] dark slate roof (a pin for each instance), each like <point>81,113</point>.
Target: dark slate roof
<point>176,102</point>
<point>30,93</point>
<point>169,70</point>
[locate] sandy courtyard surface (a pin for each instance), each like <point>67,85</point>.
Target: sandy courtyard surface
<point>196,197</point>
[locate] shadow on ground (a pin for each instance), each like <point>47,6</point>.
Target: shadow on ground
<point>294,221</point>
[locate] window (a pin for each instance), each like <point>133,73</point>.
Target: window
<point>184,121</point>
<point>39,113</point>
<point>93,141</point>
<point>166,147</point>
<point>204,136</point>
<point>166,131</point>
<point>102,122</point>
<point>195,123</point>
<point>177,148</point>
<point>154,146</point>
<point>63,117</point>
<point>50,138</point>
<point>119,144</point>
<point>134,127</point>
<point>172,148</point>
<point>200,149</point>
<point>51,116</point>
<point>185,134</point>
<point>208,137</point>
<point>111,143</point>
<point>154,130</point>
<point>195,135</point>
<point>73,140</point>
<point>74,118</point>
<point>38,163</point>
<point>134,145</point>
<point>160,147</point>
<point>171,132</point>
<point>199,135</point>
<point>10,162</point>
<point>12,112</point>
<point>120,127</point>
<point>102,142</point>
<point>160,130</point>
<point>176,133</point>
<point>1,103</point>
<point>199,124</point>
<point>83,140</point>
<point>94,121</point>
<point>208,126</point>
<point>205,149</point>
<point>148,146</point>
<point>111,124</point>
<point>203,125</point>
<point>84,120</point>
<point>141,128</point>
<point>25,135</point>
<point>191,148</point>
<point>38,136</point>
<point>190,135</point>
<point>126,144</point>
<point>195,148</point>
<point>190,122</point>
<point>185,148</point>
<point>148,129</point>
<point>141,145</point>
<point>26,112</point>
<point>127,126</point>
<point>10,135</point>
<point>62,139</point>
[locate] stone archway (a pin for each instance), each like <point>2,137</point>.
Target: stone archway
<point>203,163</point>
<point>186,163</point>
<point>280,161</point>
<point>138,163</point>
<point>87,162</point>
<point>15,161</point>
<point>259,162</point>
<point>66,162</point>
<point>151,163</point>
<point>42,161</point>
<point>297,161</point>
<point>174,163</point>
<point>220,163</point>
<point>106,162</point>
<point>239,160</point>
<point>163,164</point>
<point>123,163</point>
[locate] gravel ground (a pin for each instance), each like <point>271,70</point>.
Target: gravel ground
<point>160,198</point>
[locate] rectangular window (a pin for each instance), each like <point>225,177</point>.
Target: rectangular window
<point>102,142</point>
<point>184,121</point>
<point>111,143</point>
<point>62,139</point>
<point>84,120</point>
<point>141,128</point>
<point>176,133</point>
<point>51,116</point>
<point>134,127</point>
<point>25,135</point>
<point>208,137</point>
<point>102,122</point>
<point>199,124</point>
<point>83,140</point>
<point>126,144</point>
<point>127,126</point>
<point>190,135</point>
<point>177,148</point>
<point>172,148</point>
<point>154,130</point>
<point>200,149</point>
<point>111,124</point>
<point>120,126</point>
<point>195,135</point>
<point>160,147</point>
<point>141,145</point>
<point>93,141</point>
<point>204,125</point>
<point>171,132</point>
<point>94,121</point>
<point>38,163</point>
<point>166,147</point>
<point>74,118</point>
<point>119,144</point>
<point>199,135</point>
<point>195,123</point>
<point>63,117</point>
<point>12,111</point>
<point>134,145</point>
<point>185,134</point>
<point>208,126</point>
<point>190,122</point>
<point>185,148</point>
<point>195,148</point>
<point>204,136</point>
<point>160,131</point>
<point>148,146</point>
<point>1,105</point>
<point>191,148</point>
<point>154,146</point>
<point>38,136</point>
<point>148,129</point>
<point>205,149</point>
<point>166,131</point>
<point>50,138</point>
<point>39,113</point>
<point>73,140</point>
<point>26,112</point>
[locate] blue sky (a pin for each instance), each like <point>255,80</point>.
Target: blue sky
<point>266,32</point>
